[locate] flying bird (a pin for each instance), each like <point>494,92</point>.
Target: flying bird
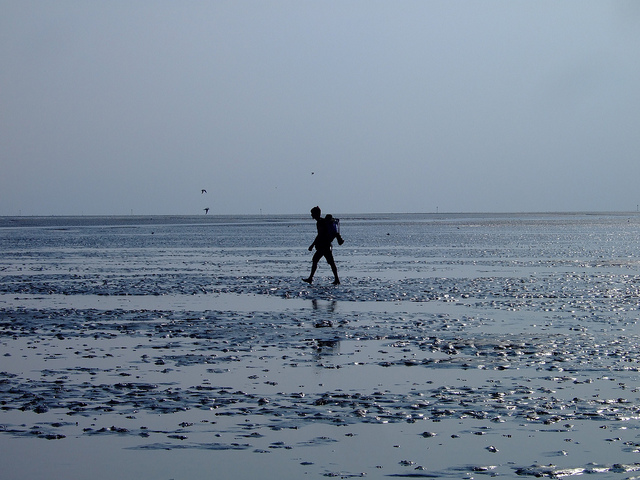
<point>206,210</point>
<point>204,191</point>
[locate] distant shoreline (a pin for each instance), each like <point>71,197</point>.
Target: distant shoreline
<point>216,219</point>
<point>352,214</point>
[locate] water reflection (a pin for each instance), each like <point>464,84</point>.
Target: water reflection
<point>324,317</point>
<point>330,308</point>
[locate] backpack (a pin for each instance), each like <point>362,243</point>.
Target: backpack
<point>333,226</point>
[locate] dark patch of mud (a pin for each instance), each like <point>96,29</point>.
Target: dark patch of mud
<point>581,292</point>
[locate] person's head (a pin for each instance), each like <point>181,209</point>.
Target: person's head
<point>315,212</point>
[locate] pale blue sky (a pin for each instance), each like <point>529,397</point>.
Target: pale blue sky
<point>109,107</point>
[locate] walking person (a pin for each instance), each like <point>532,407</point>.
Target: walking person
<point>327,231</point>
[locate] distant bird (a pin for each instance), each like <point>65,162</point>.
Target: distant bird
<point>206,210</point>
<point>204,191</point>
<point>313,173</point>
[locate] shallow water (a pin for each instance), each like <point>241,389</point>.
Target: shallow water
<point>457,346</point>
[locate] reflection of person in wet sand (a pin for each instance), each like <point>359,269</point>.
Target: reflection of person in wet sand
<point>331,308</point>
<point>326,233</point>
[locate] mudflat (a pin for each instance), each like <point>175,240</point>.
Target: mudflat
<point>455,347</point>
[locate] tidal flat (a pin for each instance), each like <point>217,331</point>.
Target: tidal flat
<point>457,346</point>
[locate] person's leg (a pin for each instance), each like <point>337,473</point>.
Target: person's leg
<point>314,265</point>
<point>334,269</point>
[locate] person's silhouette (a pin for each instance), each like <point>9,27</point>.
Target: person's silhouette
<point>326,233</point>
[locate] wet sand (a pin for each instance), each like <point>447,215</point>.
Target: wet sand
<point>193,363</point>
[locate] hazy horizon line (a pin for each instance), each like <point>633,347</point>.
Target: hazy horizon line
<point>138,215</point>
